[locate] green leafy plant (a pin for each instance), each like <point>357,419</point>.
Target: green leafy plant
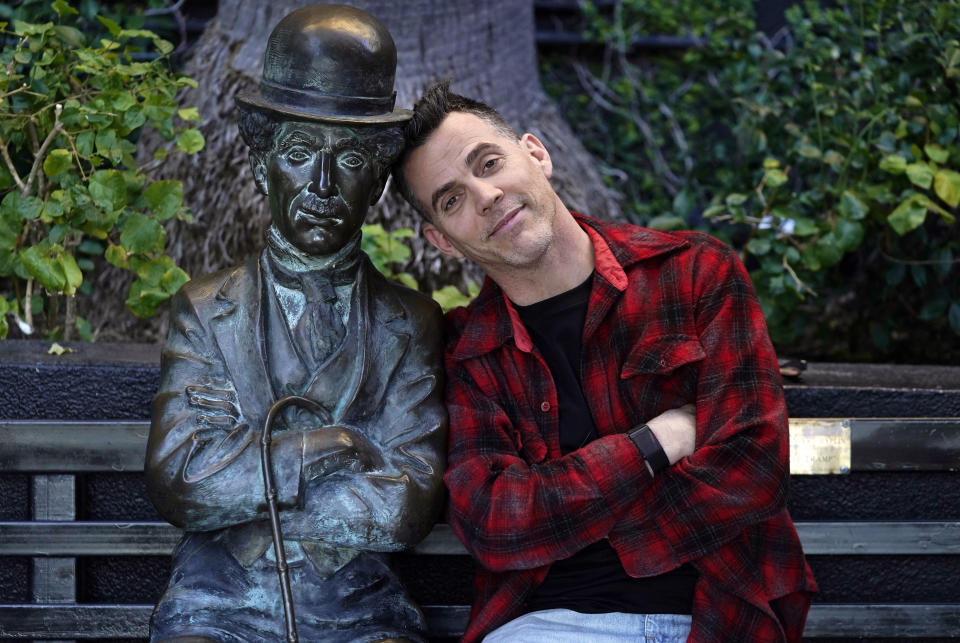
<point>71,191</point>
<point>828,153</point>
<point>385,248</point>
<point>851,219</point>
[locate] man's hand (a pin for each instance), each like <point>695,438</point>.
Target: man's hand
<point>676,430</point>
<point>333,448</point>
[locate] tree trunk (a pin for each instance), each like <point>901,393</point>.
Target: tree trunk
<point>487,49</point>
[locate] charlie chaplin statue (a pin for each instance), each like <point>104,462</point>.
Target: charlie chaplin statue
<point>305,367</point>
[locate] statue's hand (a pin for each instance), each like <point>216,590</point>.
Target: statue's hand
<point>216,408</point>
<point>334,448</point>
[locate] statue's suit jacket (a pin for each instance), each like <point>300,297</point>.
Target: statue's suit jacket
<point>384,382</point>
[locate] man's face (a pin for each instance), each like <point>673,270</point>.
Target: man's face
<point>320,181</point>
<point>488,196</point>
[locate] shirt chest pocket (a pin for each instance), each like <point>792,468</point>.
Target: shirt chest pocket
<point>661,372</point>
<point>661,355</point>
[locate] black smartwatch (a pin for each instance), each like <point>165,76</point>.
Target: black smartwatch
<point>649,447</point>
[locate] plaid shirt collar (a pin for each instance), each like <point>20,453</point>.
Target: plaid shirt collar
<point>496,320</point>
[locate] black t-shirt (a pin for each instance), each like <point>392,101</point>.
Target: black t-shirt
<point>593,580</point>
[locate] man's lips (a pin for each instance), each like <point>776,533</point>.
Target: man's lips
<point>505,221</point>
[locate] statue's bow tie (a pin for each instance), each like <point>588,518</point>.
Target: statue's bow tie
<point>315,284</point>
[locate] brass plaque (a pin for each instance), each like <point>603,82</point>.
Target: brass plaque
<point>819,446</point>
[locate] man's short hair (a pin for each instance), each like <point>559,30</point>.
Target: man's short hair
<point>429,112</point>
<point>382,141</point>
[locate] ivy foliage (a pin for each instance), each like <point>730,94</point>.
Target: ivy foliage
<point>387,249</point>
<point>72,107</point>
<point>827,153</point>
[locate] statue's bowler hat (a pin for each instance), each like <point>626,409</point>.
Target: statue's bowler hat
<point>329,63</point>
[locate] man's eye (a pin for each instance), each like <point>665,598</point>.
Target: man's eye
<point>351,160</point>
<point>490,164</point>
<point>450,202</point>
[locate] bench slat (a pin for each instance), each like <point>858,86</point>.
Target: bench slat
<point>159,539</point>
<point>898,444</point>
<point>825,621</point>
<point>75,447</point>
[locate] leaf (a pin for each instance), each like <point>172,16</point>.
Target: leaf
<point>63,9</point>
<point>776,178</point>
<point>908,216</point>
<point>44,268</point>
<point>108,189</point>
<point>70,35</point>
<point>111,26</point>
<point>57,349</point>
<point>667,222</point>
<point>143,299</point>
<point>84,329</point>
<point>936,153</point>
<point>804,227</point>
<point>933,309</point>
<point>919,274</point>
<point>849,235</point>
<point>953,316</point>
<point>172,280</point>
<point>190,141</point>
<point>164,198</point>
<point>758,246</point>
<point>191,114</point>
<point>735,199</point>
<point>14,207</point>
<point>895,274</point>
<point>946,183</point>
<point>920,175</point>
<point>851,207</point>
<point>117,255</point>
<point>808,151</point>
<point>57,162</point>
<point>894,164</point>
<point>143,235</point>
<point>72,273</point>
<point>162,46</point>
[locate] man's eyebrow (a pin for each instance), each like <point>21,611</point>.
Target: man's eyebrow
<point>472,156</point>
<point>479,150</point>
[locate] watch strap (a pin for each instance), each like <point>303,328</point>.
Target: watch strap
<point>654,457</point>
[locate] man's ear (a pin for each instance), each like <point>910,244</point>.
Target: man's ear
<point>259,173</point>
<point>439,240</point>
<point>532,145</point>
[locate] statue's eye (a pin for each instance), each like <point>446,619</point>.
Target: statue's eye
<point>351,160</point>
<point>298,155</point>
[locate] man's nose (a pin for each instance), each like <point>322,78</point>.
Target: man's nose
<point>488,195</point>
<point>322,184</point>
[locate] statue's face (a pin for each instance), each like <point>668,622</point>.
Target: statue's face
<point>320,181</point>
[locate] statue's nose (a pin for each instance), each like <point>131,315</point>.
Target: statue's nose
<point>322,184</point>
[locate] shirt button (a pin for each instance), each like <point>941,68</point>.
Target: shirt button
<point>545,406</point>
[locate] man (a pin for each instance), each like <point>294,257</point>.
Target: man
<point>358,455</point>
<point>595,512</point>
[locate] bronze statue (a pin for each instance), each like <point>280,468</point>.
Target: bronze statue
<point>299,431</point>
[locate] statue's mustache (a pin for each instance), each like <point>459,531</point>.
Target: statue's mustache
<point>319,206</point>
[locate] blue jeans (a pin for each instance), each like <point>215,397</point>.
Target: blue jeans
<point>567,626</point>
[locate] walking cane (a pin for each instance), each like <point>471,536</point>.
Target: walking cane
<point>270,490</point>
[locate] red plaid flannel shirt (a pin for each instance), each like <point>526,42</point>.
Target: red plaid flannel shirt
<point>672,318</point>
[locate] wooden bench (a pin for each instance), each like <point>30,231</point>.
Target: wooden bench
<point>54,453</point>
